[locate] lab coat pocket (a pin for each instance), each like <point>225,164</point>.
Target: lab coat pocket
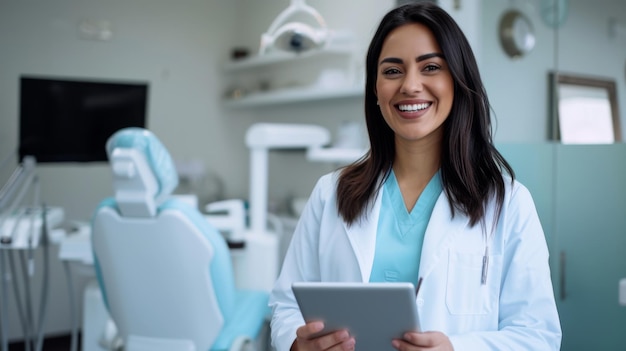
<point>465,292</point>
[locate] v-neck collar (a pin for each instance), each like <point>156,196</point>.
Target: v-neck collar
<point>406,220</point>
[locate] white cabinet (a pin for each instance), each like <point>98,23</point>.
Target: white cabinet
<point>287,77</point>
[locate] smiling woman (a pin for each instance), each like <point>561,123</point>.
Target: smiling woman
<point>433,201</point>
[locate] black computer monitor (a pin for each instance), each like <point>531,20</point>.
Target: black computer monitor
<point>69,120</point>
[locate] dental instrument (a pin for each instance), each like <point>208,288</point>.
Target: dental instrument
<point>23,228</point>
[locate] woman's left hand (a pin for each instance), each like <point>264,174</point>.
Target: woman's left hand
<point>432,341</point>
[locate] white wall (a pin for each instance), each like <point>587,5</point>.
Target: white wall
<point>517,88</point>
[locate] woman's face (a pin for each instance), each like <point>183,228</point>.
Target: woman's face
<point>413,84</point>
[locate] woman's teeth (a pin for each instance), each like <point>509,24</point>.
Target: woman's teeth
<point>413,107</point>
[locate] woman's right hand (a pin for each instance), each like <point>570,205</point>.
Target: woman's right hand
<point>336,341</point>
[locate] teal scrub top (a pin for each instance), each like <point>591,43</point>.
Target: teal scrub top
<point>400,233</point>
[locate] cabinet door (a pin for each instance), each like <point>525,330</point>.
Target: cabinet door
<point>534,168</point>
<point>590,237</point>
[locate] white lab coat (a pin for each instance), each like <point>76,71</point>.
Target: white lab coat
<point>514,310</point>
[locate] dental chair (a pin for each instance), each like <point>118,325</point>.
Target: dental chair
<point>165,273</point>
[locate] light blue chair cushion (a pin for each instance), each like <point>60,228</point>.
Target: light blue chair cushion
<point>157,156</point>
<point>247,318</point>
<point>244,311</point>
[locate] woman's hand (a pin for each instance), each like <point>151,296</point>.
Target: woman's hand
<point>431,341</point>
<point>335,341</point>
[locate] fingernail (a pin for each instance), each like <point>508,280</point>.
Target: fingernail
<point>350,343</point>
<point>317,326</point>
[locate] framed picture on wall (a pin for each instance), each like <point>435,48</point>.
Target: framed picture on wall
<point>584,109</point>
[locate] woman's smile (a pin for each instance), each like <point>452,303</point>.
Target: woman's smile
<point>413,109</point>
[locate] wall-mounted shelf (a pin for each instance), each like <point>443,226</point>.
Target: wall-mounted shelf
<point>282,77</point>
<point>292,95</point>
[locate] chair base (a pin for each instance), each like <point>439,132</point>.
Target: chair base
<point>95,320</point>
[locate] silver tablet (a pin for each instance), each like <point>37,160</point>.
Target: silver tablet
<point>373,313</point>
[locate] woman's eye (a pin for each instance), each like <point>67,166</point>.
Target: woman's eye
<point>432,68</point>
<point>391,71</point>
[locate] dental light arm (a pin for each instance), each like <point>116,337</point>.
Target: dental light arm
<point>261,244</point>
<point>263,137</point>
<point>295,36</point>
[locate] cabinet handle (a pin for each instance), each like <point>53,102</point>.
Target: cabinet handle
<point>563,261</point>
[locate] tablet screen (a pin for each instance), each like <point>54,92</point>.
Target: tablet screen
<point>373,313</point>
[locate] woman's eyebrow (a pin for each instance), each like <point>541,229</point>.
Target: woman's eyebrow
<point>427,56</point>
<point>418,59</point>
<point>391,60</point>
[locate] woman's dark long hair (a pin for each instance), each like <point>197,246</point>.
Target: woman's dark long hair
<point>471,167</point>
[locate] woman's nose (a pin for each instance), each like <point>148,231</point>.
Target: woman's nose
<point>412,84</point>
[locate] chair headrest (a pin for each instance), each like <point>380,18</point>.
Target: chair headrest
<point>156,155</point>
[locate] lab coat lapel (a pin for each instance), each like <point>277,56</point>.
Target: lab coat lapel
<point>362,236</point>
<point>440,234</point>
